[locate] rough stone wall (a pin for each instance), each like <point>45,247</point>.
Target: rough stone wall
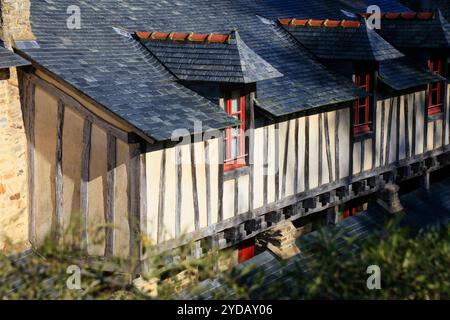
<point>14,25</point>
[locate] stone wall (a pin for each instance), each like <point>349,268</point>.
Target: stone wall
<point>14,25</point>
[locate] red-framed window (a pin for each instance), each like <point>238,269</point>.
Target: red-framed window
<point>435,99</point>
<point>235,146</point>
<point>363,106</point>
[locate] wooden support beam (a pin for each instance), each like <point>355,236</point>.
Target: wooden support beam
<point>277,161</point>
<point>328,148</point>
<point>336,147</point>
<point>162,193</point>
<point>134,202</point>
<point>30,89</point>
<point>110,194</point>
<point>285,161</point>
<point>84,184</point>
<point>58,227</point>
<point>413,142</point>
<point>195,188</point>
<point>383,108</point>
<point>389,131</point>
<point>179,190</point>
<point>296,151</point>
<point>407,144</point>
<point>220,178</point>
<point>306,168</point>
<point>397,132</point>
<point>320,155</point>
<point>265,162</point>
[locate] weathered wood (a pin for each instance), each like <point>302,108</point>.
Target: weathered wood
<point>208,184</point>
<point>320,155</point>
<point>236,196</point>
<point>336,146</point>
<point>162,193</point>
<point>58,229</point>
<point>30,112</point>
<point>220,178</point>
<point>265,162</point>
<point>406,106</point>
<point>306,169</point>
<point>389,130</point>
<point>134,201</point>
<point>383,107</point>
<point>352,140</point>
<point>143,190</point>
<point>110,194</point>
<point>251,149</point>
<point>397,132</point>
<point>195,188</point>
<point>374,119</point>
<point>286,153</point>
<point>414,124</point>
<point>296,130</point>
<point>362,154</point>
<point>328,148</point>
<point>69,101</point>
<point>84,184</point>
<point>445,113</point>
<point>277,161</point>
<point>179,190</point>
<point>425,123</point>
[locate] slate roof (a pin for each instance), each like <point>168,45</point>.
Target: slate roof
<point>9,59</point>
<point>423,209</point>
<point>131,83</point>
<point>400,74</point>
<point>385,5</point>
<point>414,33</point>
<point>343,43</point>
<point>231,61</point>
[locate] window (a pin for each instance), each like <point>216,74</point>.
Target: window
<point>235,146</point>
<point>246,250</point>
<point>435,89</point>
<point>363,106</point>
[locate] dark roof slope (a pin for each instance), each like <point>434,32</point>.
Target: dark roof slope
<point>230,61</point>
<point>9,59</point>
<point>400,74</point>
<point>417,33</point>
<point>333,40</point>
<point>385,5</point>
<point>121,75</point>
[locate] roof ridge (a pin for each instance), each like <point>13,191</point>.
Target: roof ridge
<point>408,15</point>
<point>327,23</point>
<point>184,37</point>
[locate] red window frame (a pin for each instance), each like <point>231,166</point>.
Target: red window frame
<point>435,99</point>
<point>246,251</point>
<point>239,159</point>
<point>362,120</point>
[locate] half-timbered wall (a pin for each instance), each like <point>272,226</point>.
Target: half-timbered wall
<point>81,169</point>
<point>294,160</point>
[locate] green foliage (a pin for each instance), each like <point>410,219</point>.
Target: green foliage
<point>413,266</point>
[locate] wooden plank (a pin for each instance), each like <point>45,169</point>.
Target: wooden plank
<point>306,169</point>
<point>406,106</point>
<point>277,161</point>
<point>134,200</point>
<point>336,147</point>
<point>328,148</point>
<point>143,190</point>
<point>320,156</point>
<point>286,149</point>
<point>69,101</point>
<point>425,123</point>
<point>208,184</point>
<point>296,128</point>
<point>351,140</point>
<point>110,194</point>
<point>236,196</point>
<point>397,132</point>
<point>265,162</point>
<point>162,193</point>
<point>59,198</point>
<point>30,112</point>
<point>383,107</point>
<point>178,194</point>
<point>220,178</point>
<point>84,185</point>
<point>389,131</point>
<point>362,150</point>
<point>374,120</point>
<point>195,188</point>
<point>414,123</point>
<point>251,150</point>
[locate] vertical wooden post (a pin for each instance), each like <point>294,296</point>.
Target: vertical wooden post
<point>84,184</point>
<point>110,194</point>
<point>178,195</point>
<point>58,227</point>
<point>134,201</point>
<point>30,89</point>
<point>195,188</point>
<point>162,193</point>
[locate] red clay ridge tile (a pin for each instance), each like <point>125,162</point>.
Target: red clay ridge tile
<point>425,15</point>
<point>315,23</point>
<point>403,15</point>
<point>284,22</point>
<point>350,24</point>
<point>299,22</point>
<point>332,23</point>
<point>184,37</point>
<point>218,38</point>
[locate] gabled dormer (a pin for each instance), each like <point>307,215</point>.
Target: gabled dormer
<point>220,67</point>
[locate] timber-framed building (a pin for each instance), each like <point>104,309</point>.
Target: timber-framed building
<point>215,121</point>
